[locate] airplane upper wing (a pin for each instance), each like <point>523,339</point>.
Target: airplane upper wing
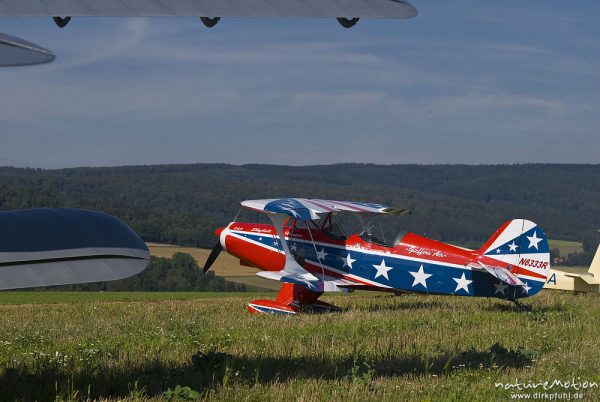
<point>393,9</point>
<point>43,247</point>
<point>309,209</point>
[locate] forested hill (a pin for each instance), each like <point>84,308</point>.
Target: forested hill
<point>184,204</point>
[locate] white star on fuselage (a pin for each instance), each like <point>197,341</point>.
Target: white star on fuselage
<point>513,246</point>
<point>462,283</point>
<point>348,261</point>
<point>500,287</point>
<point>534,240</point>
<point>382,270</point>
<point>420,277</point>
<point>321,254</point>
<point>527,288</point>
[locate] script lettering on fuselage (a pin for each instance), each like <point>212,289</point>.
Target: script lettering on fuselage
<point>423,251</point>
<point>528,262</point>
<point>257,230</point>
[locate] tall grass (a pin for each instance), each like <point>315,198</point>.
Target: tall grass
<point>380,348</point>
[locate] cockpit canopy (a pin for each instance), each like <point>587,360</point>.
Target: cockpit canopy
<point>372,228</point>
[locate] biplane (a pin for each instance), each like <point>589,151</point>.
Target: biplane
<point>310,250</point>
<point>60,246</point>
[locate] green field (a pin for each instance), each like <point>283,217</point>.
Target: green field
<point>132,346</point>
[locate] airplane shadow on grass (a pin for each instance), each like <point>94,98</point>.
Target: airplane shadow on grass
<point>205,371</point>
<point>397,306</point>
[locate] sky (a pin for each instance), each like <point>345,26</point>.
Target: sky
<point>466,81</point>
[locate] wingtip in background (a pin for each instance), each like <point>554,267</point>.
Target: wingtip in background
<point>15,52</point>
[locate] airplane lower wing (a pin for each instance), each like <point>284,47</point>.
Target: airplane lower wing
<point>43,247</point>
<point>392,9</point>
<point>311,283</point>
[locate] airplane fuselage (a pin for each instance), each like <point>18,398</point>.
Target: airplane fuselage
<point>414,264</point>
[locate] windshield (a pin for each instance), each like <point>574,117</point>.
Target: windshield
<point>383,230</point>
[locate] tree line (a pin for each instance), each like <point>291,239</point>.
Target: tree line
<point>184,204</point>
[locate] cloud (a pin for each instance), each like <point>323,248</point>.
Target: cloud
<point>151,90</point>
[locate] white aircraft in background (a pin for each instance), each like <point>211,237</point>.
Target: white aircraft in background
<point>565,278</point>
<point>14,51</point>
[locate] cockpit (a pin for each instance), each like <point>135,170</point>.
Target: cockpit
<point>372,228</point>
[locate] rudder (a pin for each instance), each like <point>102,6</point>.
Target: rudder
<point>522,246</point>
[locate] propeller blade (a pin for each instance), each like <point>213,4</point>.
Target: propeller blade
<point>213,256</point>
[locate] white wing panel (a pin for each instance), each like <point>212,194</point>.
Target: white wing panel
<point>393,9</point>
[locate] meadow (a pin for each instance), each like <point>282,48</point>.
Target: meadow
<point>169,346</point>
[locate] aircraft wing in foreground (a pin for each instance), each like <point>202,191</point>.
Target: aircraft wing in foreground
<point>391,9</point>
<point>43,247</point>
<point>210,12</point>
<point>307,249</point>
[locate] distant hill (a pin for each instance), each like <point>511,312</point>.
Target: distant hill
<point>184,204</point>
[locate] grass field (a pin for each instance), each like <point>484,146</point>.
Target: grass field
<point>132,346</point>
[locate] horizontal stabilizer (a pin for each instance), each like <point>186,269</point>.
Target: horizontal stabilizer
<point>395,9</point>
<point>587,278</point>
<point>502,273</point>
<point>44,247</point>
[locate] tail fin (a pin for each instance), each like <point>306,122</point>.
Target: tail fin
<point>523,245</point>
<point>595,267</point>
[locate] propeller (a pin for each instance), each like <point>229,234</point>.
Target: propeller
<point>213,256</point>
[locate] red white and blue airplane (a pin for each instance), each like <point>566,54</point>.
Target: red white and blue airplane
<point>307,249</point>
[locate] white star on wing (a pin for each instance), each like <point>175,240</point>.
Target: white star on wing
<point>462,283</point>
<point>500,287</point>
<point>348,261</point>
<point>420,277</point>
<point>534,240</point>
<point>382,270</point>
<point>513,246</point>
<point>321,254</point>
